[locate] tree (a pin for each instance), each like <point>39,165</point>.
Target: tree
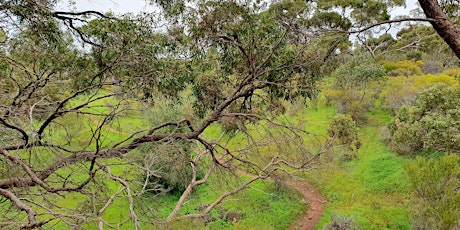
<point>229,59</point>
<point>60,101</point>
<point>351,84</point>
<point>444,26</point>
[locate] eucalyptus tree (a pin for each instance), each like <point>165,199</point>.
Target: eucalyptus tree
<point>57,107</point>
<point>237,58</point>
<point>443,17</point>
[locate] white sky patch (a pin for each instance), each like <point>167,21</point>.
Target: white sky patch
<point>136,6</point>
<point>410,5</point>
<point>117,7</point>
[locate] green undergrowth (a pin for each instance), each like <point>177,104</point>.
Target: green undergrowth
<point>373,189</point>
<point>262,206</point>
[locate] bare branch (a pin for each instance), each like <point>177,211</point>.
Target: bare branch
<point>125,184</point>
<point>391,22</point>
<point>30,212</point>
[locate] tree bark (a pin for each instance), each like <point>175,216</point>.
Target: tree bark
<point>448,31</point>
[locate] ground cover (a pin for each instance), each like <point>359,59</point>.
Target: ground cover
<point>372,189</point>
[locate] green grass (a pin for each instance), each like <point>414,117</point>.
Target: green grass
<point>373,188</point>
<point>262,206</point>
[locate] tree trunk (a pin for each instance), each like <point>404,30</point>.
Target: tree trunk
<point>442,24</point>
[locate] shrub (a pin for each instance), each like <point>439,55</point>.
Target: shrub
<point>431,67</point>
<point>431,124</point>
<point>344,130</point>
<point>452,72</point>
<point>342,223</point>
<point>351,88</point>
<point>357,73</point>
<point>437,201</point>
<point>403,68</point>
<point>425,81</point>
<point>400,91</point>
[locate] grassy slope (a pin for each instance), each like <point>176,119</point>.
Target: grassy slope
<point>373,188</point>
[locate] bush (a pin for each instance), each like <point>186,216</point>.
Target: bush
<point>352,86</point>
<point>432,124</point>
<point>436,183</point>
<point>425,81</point>
<point>453,73</point>
<point>431,67</point>
<point>342,223</point>
<point>400,91</point>
<point>357,73</point>
<point>403,68</point>
<point>343,129</point>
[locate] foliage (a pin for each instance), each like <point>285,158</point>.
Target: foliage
<point>342,223</point>
<point>403,68</point>
<point>357,72</point>
<point>73,117</point>
<point>400,91</point>
<point>429,125</point>
<point>364,11</point>
<point>344,130</point>
<point>415,42</point>
<point>350,89</point>
<point>452,72</point>
<point>437,201</point>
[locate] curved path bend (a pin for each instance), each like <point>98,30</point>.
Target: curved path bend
<point>315,200</point>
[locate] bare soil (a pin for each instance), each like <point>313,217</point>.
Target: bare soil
<point>316,204</point>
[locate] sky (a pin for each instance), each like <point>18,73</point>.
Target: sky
<point>126,6</point>
<point>137,6</point>
<point>116,6</point>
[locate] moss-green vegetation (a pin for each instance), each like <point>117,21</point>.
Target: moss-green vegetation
<point>264,205</point>
<point>373,188</point>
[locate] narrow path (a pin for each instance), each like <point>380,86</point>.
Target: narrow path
<point>315,200</point>
<point>316,204</point>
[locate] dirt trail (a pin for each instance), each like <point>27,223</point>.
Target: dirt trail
<point>316,204</point>
<point>315,200</point>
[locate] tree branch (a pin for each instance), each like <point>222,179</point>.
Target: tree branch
<point>390,22</point>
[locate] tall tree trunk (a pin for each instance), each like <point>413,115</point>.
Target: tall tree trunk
<point>442,24</point>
